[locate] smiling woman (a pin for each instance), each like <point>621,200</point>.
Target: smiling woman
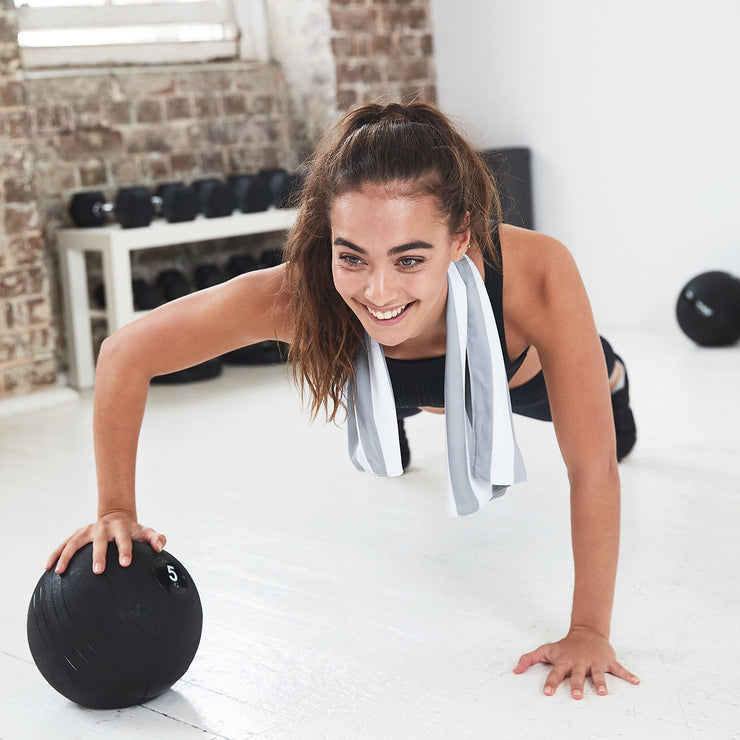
<point>403,290</point>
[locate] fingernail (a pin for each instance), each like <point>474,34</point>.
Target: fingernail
<point>635,679</point>
<point>548,690</point>
<point>98,568</point>
<point>602,689</point>
<point>576,694</point>
<point>126,560</point>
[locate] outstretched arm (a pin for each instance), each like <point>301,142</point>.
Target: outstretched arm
<point>248,309</point>
<point>559,323</point>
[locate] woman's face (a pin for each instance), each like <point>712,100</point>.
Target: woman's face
<point>390,255</point>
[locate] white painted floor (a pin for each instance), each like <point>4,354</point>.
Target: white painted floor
<point>343,606</point>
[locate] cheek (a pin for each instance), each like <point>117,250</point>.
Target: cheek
<point>343,283</point>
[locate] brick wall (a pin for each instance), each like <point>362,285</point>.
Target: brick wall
<point>27,339</point>
<point>383,51</point>
<point>68,132</point>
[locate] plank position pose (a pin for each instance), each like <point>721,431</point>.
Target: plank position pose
<point>403,290</point>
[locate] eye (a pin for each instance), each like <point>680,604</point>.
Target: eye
<point>350,259</point>
<point>410,262</point>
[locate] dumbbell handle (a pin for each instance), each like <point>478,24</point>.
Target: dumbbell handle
<point>99,208</point>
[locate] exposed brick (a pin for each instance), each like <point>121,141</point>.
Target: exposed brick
<point>43,374</point>
<point>343,46</point>
<point>15,162</point>
<point>85,113</point>
<point>7,316</point>
<point>20,218</point>
<point>346,99</point>
<point>177,108</point>
<point>125,171</point>
<point>38,310</point>
<point>120,112</point>
<point>51,118</point>
<point>155,167</point>
<point>183,164</point>
<point>262,104</point>
<point>427,45</point>
<point>399,18</point>
<point>234,105</point>
<point>93,174</point>
<point>95,141</point>
<point>18,189</point>
<point>407,70</point>
<point>54,177</point>
<point>10,58</point>
<point>154,139</point>
<point>212,162</point>
<point>149,111</point>
<point>18,283</point>
<point>353,19</point>
<point>9,346</point>
<point>8,28</point>
<point>12,93</point>
<point>205,106</point>
<point>381,44</point>
<point>26,250</point>
<point>15,124</point>
<point>361,71</point>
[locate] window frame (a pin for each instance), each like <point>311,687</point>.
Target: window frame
<point>244,23</point>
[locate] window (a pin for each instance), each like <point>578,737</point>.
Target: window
<point>76,33</point>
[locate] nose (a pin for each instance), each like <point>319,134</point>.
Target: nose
<point>381,288</point>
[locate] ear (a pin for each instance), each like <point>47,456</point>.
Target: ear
<point>461,241</point>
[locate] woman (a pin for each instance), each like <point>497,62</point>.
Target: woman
<point>394,262</point>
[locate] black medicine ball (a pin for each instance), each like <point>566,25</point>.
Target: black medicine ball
<point>708,309</point>
<point>119,638</point>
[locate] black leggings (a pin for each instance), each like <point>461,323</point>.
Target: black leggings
<point>530,399</point>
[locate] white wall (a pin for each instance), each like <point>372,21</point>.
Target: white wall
<point>632,110</point>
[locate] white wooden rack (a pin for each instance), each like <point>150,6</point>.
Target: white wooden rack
<point>115,246</point>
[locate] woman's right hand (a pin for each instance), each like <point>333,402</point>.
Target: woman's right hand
<point>118,526</point>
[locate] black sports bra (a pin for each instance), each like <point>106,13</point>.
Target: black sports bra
<point>421,382</point>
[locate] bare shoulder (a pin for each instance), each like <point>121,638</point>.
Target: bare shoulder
<point>539,273</point>
<point>264,295</point>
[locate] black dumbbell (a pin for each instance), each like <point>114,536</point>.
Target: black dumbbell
<point>133,208</point>
<point>215,197</point>
<point>146,296</point>
<point>268,352</point>
<point>207,275</point>
<point>176,202</point>
<point>238,264</point>
<point>173,284</point>
<point>251,192</point>
<point>271,257</point>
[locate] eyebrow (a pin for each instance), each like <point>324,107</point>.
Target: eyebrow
<point>339,242</point>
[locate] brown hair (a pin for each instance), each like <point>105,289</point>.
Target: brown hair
<point>411,144</point>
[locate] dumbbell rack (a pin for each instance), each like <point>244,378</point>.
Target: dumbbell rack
<point>115,246</point>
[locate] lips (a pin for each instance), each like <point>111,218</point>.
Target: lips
<point>386,315</point>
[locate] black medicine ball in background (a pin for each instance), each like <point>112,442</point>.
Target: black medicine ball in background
<point>119,638</point>
<point>708,309</point>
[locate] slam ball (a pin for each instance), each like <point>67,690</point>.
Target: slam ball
<point>708,309</point>
<point>119,638</point>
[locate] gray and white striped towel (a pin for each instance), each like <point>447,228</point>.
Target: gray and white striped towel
<point>483,458</point>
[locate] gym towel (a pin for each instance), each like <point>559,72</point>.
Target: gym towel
<point>483,458</point>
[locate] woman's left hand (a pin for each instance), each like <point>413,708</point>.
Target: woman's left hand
<point>582,652</point>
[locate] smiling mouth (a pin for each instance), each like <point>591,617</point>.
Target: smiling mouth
<point>387,315</point>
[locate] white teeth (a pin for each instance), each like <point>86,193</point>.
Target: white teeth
<point>386,314</point>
